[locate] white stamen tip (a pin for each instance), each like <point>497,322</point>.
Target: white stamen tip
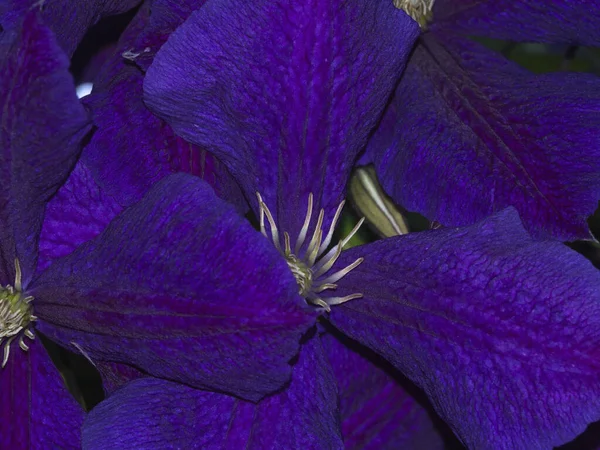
<point>313,263</point>
<point>15,315</point>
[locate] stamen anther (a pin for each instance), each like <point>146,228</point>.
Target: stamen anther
<point>308,269</point>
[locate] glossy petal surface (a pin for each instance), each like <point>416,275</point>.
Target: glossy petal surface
<point>151,413</point>
<point>500,331</point>
<point>284,93</point>
<point>470,133</point>
<point>37,411</point>
<point>127,171</point>
<point>552,21</point>
<point>181,287</point>
<point>79,212</point>
<point>376,411</point>
<point>42,125</point>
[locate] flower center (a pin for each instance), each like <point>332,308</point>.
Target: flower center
<point>419,10</point>
<point>310,263</point>
<point>15,315</point>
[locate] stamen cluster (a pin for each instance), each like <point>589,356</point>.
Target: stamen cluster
<point>16,314</point>
<point>419,10</point>
<point>310,263</point>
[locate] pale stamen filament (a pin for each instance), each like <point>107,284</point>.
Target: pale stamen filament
<point>331,257</point>
<point>342,273</point>
<point>274,232</point>
<point>304,230</point>
<point>313,264</point>
<point>315,242</point>
<point>15,315</point>
<point>334,222</point>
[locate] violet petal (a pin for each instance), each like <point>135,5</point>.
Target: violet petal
<point>182,287</point>
<point>127,171</point>
<point>470,133</point>
<point>499,330</point>
<point>42,127</point>
<point>284,93</point>
<point>550,21</point>
<point>376,411</point>
<point>151,413</point>
<point>78,212</point>
<point>37,411</point>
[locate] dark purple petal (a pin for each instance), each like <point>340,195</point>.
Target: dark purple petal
<point>376,411</point>
<point>284,93</point>
<point>183,288</point>
<point>500,331</point>
<point>163,17</point>
<point>79,212</point>
<point>37,411</point>
<point>115,375</point>
<point>552,21</point>
<point>68,19</point>
<point>151,413</point>
<point>42,127</point>
<point>470,133</point>
<point>127,171</point>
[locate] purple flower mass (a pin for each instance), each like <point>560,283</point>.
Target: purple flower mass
<point>129,242</point>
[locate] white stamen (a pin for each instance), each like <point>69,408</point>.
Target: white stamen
<point>419,10</point>
<point>15,315</point>
<point>313,264</point>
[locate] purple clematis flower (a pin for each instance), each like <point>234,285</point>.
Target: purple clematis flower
<point>160,296</point>
<point>469,133</point>
<point>499,330</point>
<point>38,148</point>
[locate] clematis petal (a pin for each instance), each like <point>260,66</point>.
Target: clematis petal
<point>78,212</point>
<point>42,127</point>
<point>152,413</point>
<point>284,93</point>
<point>69,20</point>
<point>501,331</point>
<point>37,411</point>
<point>470,133</point>
<point>181,287</point>
<point>127,171</point>
<point>376,411</point>
<point>550,21</point>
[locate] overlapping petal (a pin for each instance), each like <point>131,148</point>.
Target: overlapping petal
<point>127,171</point>
<point>78,212</point>
<point>500,331</point>
<point>69,20</point>
<point>151,413</point>
<point>181,287</point>
<point>470,133</point>
<point>36,410</point>
<point>376,411</point>
<point>42,127</point>
<point>284,93</point>
<point>550,21</point>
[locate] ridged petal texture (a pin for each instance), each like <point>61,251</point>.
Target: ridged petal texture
<point>42,126</point>
<point>132,149</point>
<point>36,410</point>
<point>69,20</point>
<point>550,21</point>
<point>501,331</point>
<point>469,133</point>
<point>182,287</point>
<point>285,93</point>
<point>376,411</point>
<point>149,413</point>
